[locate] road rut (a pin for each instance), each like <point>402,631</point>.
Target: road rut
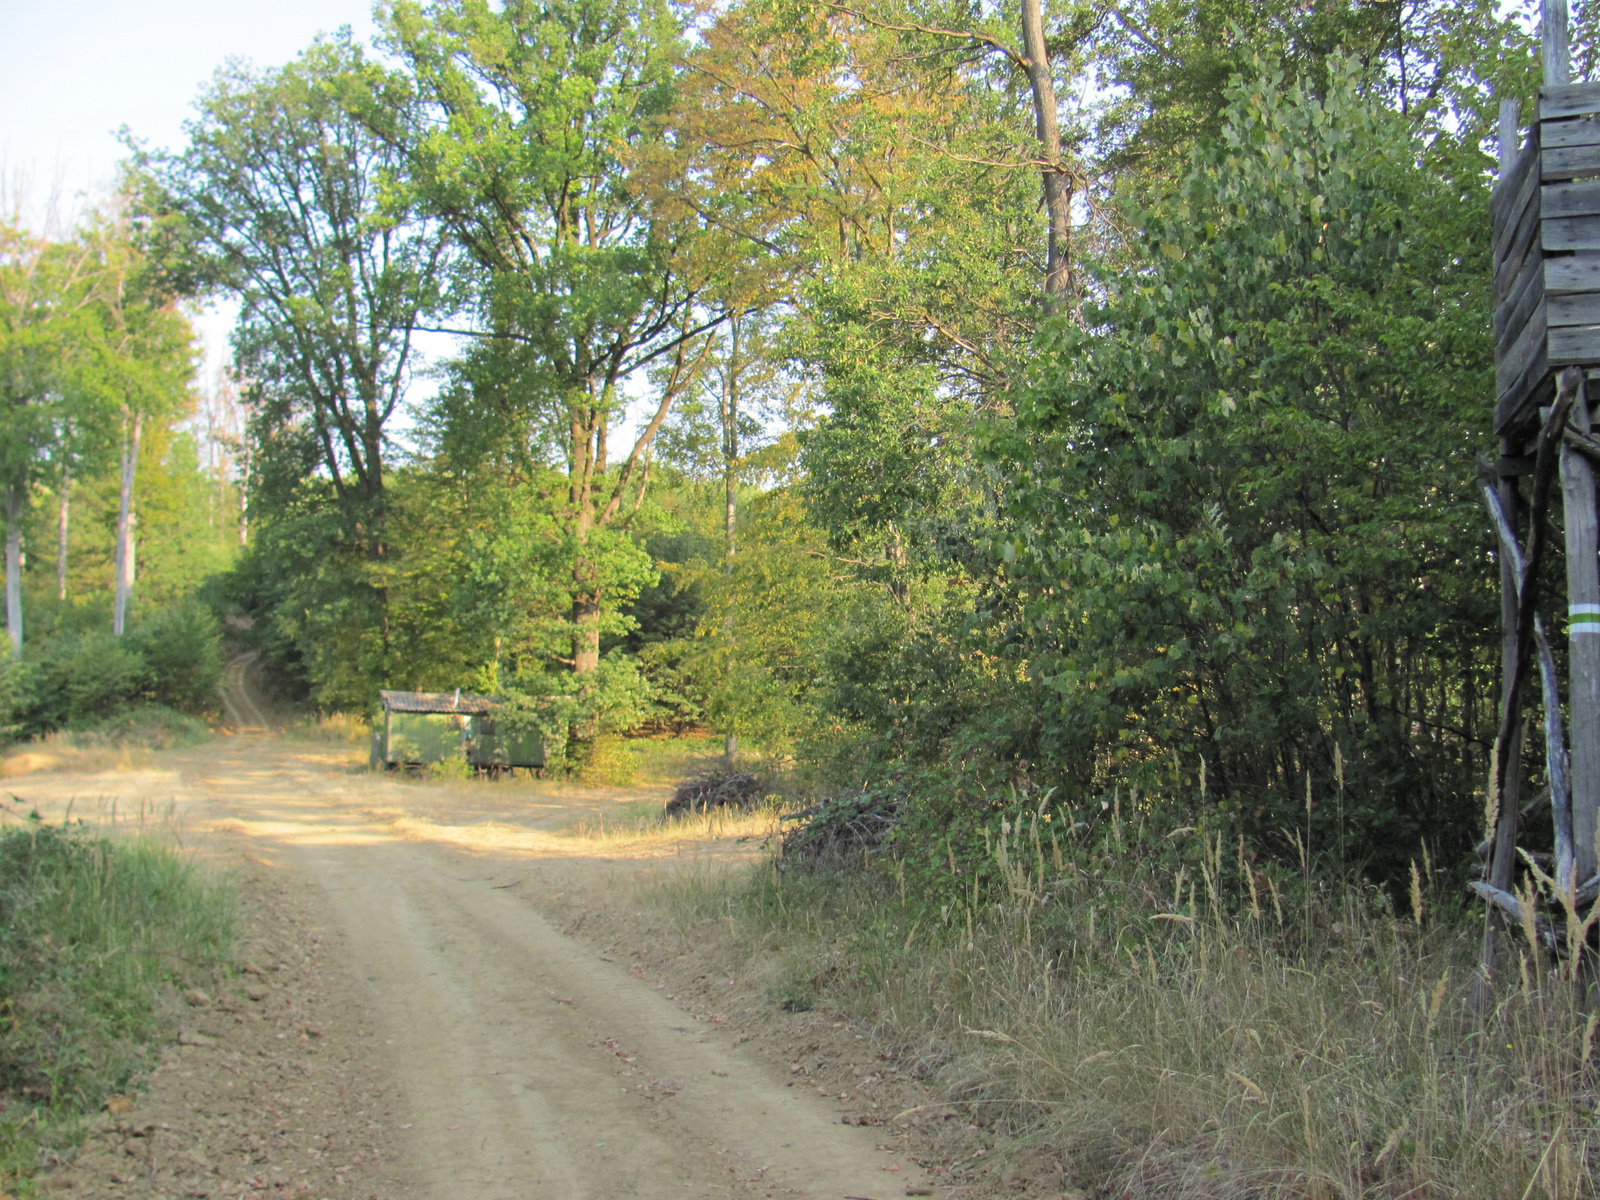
<point>526,1066</point>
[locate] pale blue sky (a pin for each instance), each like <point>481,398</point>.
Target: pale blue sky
<point>76,71</point>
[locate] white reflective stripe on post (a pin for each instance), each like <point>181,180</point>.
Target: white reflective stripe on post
<point>1583,618</point>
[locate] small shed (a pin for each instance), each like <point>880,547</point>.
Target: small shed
<point>429,727</point>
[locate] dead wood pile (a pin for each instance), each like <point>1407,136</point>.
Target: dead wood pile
<point>837,831</point>
<point>716,789</point>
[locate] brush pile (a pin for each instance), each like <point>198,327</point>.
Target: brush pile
<point>717,788</point>
<point>838,831</point>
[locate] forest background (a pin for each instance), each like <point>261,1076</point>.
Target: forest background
<point>1045,433</point>
<point>961,400</point>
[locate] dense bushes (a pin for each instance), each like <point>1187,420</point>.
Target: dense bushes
<point>1223,545</point>
<point>171,659</point>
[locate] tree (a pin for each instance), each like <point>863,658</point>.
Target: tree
<point>1243,527</point>
<point>579,284</point>
<point>282,198</point>
<point>44,286</point>
<point>718,435</point>
<point>131,355</point>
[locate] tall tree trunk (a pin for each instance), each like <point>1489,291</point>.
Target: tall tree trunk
<point>586,599</point>
<point>61,535</point>
<point>244,494</point>
<point>729,403</point>
<point>1057,191</point>
<point>14,568</point>
<point>132,429</point>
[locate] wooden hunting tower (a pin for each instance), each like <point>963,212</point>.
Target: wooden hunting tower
<point>1545,215</point>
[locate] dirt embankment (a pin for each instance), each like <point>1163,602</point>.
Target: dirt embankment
<point>416,1019</point>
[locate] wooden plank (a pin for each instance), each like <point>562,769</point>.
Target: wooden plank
<point>1569,162</point>
<point>1527,344</point>
<point>1574,273</point>
<point>1580,308</point>
<point>1570,233</point>
<point>1519,403</point>
<point>1510,216</point>
<point>1513,216</point>
<point>1571,344</point>
<point>1578,131</point>
<point>1524,295</point>
<point>1570,199</point>
<point>1508,466</point>
<point>1511,183</point>
<point>1517,319</point>
<point>1582,526</point>
<point>1524,246</point>
<point>1568,100</point>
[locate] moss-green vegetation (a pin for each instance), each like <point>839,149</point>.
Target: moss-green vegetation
<point>96,936</point>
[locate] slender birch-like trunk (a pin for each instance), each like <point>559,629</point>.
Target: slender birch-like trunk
<point>14,568</point>
<point>729,403</point>
<point>132,429</point>
<point>244,495</point>
<point>1057,191</point>
<point>62,519</point>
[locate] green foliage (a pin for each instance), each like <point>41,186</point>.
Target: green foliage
<point>1443,64</point>
<point>13,689</point>
<point>86,678</point>
<point>94,937</point>
<point>1244,532</point>
<point>279,199</point>
<point>182,662</point>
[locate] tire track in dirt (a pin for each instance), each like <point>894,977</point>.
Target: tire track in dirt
<point>518,1062</point>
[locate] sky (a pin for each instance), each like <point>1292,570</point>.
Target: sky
<point>75,73</point>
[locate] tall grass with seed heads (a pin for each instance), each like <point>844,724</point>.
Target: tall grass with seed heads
<point>1173,1018</point>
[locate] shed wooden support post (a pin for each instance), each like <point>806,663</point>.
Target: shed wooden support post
<point>1583,633</point>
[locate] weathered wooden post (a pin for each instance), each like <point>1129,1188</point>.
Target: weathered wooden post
<point>1583,637</point>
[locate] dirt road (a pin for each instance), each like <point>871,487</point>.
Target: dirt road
<point>452,1042</point>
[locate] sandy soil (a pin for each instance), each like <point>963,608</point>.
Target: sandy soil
<point>452,991</point>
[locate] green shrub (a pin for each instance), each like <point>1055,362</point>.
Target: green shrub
<point>93,933</point>
<point>181,649</point>
<point>13,690</point>
<point>151,726</point>
<point>83,678</point>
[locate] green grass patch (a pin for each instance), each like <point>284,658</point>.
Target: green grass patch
<point>96,937</point>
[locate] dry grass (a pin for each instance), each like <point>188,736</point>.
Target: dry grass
<point>336,729</point>
<point>1165,1040</point>
<point>120,743</point>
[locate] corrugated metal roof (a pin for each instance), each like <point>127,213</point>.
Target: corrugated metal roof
<point>438,702</point>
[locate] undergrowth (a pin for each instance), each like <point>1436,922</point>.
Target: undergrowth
<point>1170,1017</point>
<point>146,727</point>
<point>95,937</point>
